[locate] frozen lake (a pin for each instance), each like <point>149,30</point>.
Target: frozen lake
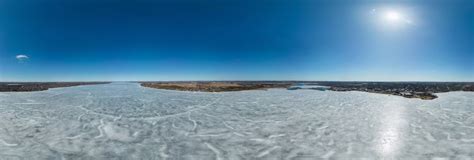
<point>126,121</point>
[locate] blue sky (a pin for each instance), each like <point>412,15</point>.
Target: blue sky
<point>79,40</point>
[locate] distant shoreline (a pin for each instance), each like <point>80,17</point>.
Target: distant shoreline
<point>421,90</point>
<point>214,86</point>
<point>39,86</point>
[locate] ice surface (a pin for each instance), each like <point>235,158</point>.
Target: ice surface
<point>126,121</point>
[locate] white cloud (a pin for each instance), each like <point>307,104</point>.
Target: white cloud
<point>22,57</point>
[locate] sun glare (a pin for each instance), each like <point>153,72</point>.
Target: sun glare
<point>392,16</point>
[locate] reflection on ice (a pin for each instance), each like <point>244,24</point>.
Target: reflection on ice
<point>126,121</point>
<point>392,126</point>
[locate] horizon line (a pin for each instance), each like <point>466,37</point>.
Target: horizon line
<point>237,81</point>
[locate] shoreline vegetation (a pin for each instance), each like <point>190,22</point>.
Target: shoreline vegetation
<point>215,86</point>
<point>421,90</point>
<point>39,86</point>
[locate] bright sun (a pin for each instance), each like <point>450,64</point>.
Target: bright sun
<point>392,16</point>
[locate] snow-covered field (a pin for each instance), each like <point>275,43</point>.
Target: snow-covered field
<point>126,121</point>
